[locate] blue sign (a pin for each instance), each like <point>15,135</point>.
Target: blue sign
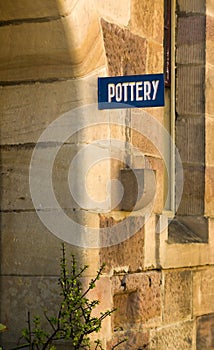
<point>131,91</point>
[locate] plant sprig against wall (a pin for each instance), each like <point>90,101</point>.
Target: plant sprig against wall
<point>75,321</point>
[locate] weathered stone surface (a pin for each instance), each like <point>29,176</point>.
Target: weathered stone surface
<point>191,30</point>
<point>154,57</point>
<point>173,337</point>
<point>115,10</point>
<point>90,191</point>
<point>192,201</point>
<point>139,301</point>
<point>23,9</point>
<point>190,91</point>
<point>50,50</point>
<point>189,129</point>
<point>209,90</point>
<point>22,294</point>
<point>122,50</point>
<point>191,40</point>
<point>142,12</point>
<point>44,103</point>
<point>209,39</point>
<point>158,166</point>
<point>29,248</point>
<point>209,191</point>
<point>205,335</point>
<point>135,340</point>
<point>128,254</point>
<point>203,291</point>
<point>210,7</point>
<point>36,294</point>
<point>192,6</point>
<point>177,295</point>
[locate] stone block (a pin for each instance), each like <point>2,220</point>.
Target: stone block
<point>190,91</point>
<point>145,133</point>
<point>177,296</point>
<point>154,57</point>
<point>22,294</point>
<point>191,30</point>
<point>38,294</point>
<point>189,129</point>
<point>210,7</point>
<point>192,201</point>
<point>173,337</point>
<point>115,11</point>
<point>50,50</point>
<point>122,50</point>
<point>191,40</point>
<point>203,291</point>
<point>136,339</point>
<point>29,248</point>
<point>14,10</point>
<point>136,249</point>
<point>129,253</point>
<point>209,38</point>
<point>138,300</point>
<point>205,335</point>
<point>141,14</point>
<point>192,6</point>
<point>89,191</point>
<point>157,165</point>
<point>44,103</point>
<point>209,191</point>
<point>209,90</point>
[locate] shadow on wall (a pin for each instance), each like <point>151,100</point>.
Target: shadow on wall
<point>44,45</point>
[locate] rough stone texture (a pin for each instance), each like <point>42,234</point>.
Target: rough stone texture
<point>209,7</point>
<point>130,253</point>
<point>36,294</point>
<point>20,295</point>
<point>142,12</point>
<point>125,51</point>
<point>205,335</point>
<point>190,92</point>
<point>189,129</point>
<point>209,38</point>
<point>135,340</point>
<point>192,201</point>
<point>154,57</point>
<point>203,291</point>
<point>191,40</point>
<point>50,50</point>
<point>209,90</point>
<point>191,30</point>
<point>192,6</point>
<point>177,295</point>
<point>209,191</point>
<point>29,248</point>
<point>139,302</point>
<point>174,337</point>
<point>116,11</point>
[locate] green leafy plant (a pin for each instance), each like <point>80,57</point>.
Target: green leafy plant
<point>75,320</point>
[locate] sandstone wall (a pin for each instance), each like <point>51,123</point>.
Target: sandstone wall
<point>51,55</point>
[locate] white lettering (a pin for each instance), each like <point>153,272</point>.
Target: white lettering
<point>132,84</point>
<point>147,90</point>
<point>111,92</point>
<point>125,86</point>
<point>138,89</point>
<point>119,94</point>
<point>155,85</point>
